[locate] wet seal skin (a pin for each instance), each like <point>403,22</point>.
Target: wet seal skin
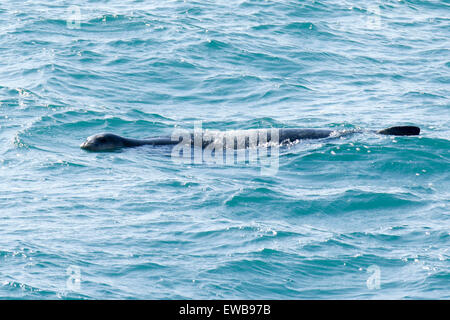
<point>108,141</point>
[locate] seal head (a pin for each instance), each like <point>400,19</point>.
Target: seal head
<point>103,142</point>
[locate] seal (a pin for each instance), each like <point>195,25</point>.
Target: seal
<point>109,141</point>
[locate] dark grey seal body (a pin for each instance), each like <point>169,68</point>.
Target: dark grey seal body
<point>109,141</point>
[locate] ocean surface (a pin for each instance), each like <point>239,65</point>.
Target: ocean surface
<point>362,216</point>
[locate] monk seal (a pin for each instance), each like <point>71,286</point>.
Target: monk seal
<point>109,141</point>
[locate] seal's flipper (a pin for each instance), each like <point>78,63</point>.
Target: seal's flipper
<point>401,131</point>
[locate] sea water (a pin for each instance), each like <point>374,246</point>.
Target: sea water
<point>361,216</point>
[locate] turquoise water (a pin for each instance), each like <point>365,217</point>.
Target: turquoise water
<point>365,216</point>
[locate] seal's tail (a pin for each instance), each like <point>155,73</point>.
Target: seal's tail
<point>401,131</point>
